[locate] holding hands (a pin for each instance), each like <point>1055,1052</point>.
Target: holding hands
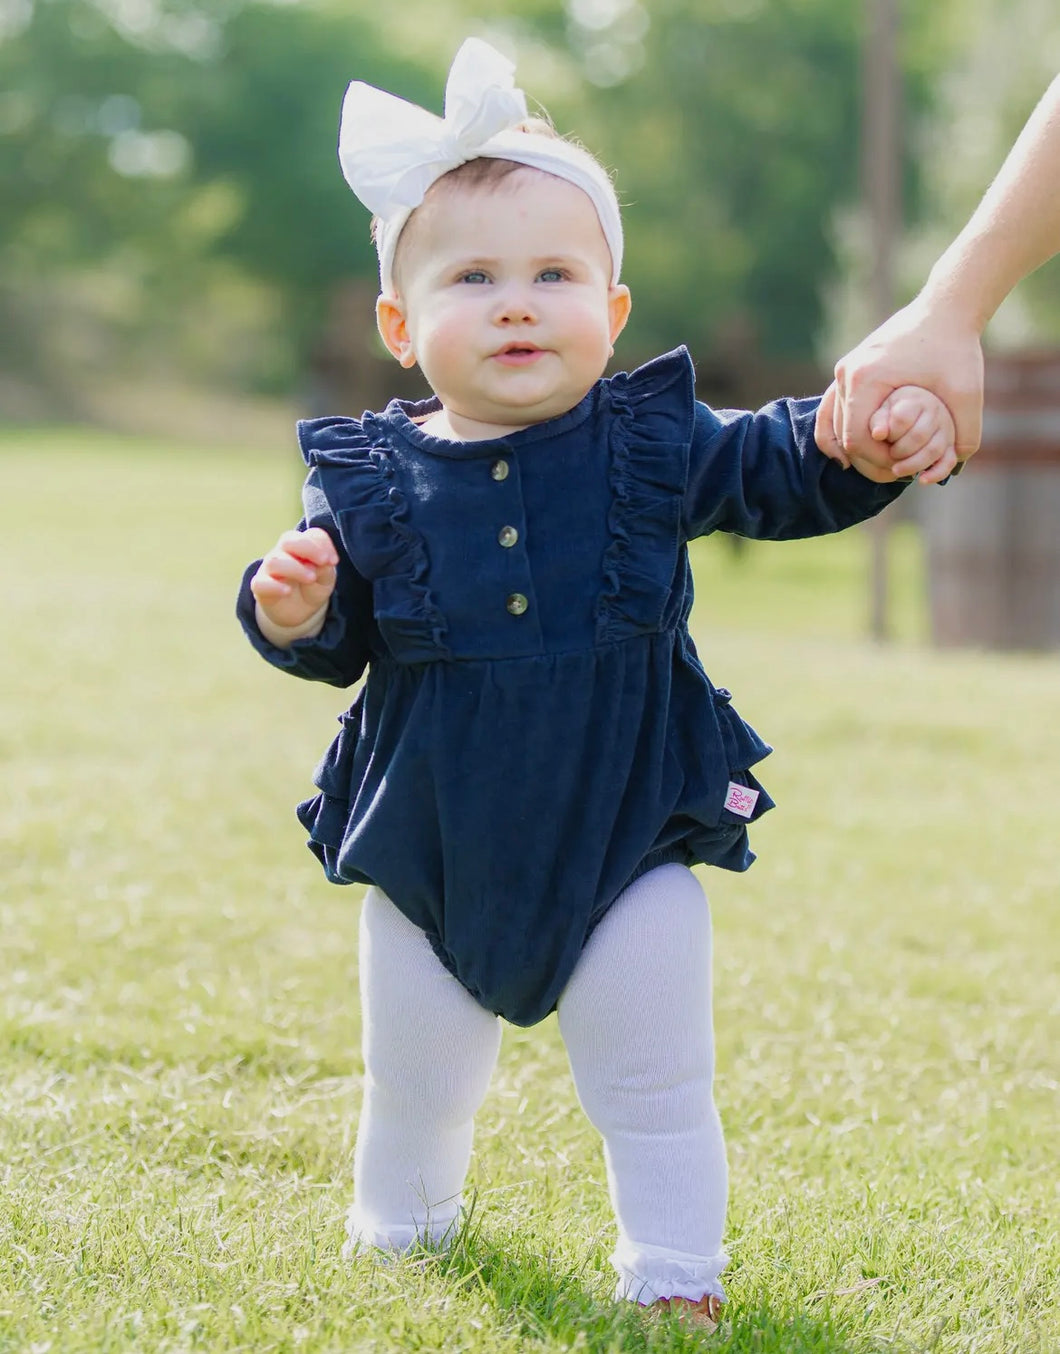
<point>930,347</point>
<point>910,433</point>
<point>934,341</point>
<point>292,585</point>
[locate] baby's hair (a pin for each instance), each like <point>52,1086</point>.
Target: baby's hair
<point>484,171</point>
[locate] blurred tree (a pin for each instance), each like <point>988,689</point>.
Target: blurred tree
<point>994,78</point>
<point>76,141</point>
<point>737,131</point>
<point>264,128</point>
<point>89,178</point>
<point>170,163</point>
<point>733,129</point>
<point>156,158</point>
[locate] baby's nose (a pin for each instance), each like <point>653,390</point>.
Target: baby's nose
<point>516,307</point>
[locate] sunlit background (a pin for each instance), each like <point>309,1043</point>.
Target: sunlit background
<point>182,273</point>
<point>176,240</point>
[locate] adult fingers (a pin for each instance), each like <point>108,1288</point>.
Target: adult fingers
<point>824,430</point>
<point>967,412</point>
<point>859,406</point>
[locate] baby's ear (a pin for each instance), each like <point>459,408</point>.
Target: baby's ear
<point>619,304</point>
<point>393,329</point>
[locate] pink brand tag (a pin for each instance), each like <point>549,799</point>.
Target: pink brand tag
<point>741,800</point>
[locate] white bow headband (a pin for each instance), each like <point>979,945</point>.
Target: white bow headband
<point>392,151</point>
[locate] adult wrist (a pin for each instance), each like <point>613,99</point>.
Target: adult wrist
<point>967,295</point>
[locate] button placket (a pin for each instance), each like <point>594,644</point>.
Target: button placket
<point>508,536</point>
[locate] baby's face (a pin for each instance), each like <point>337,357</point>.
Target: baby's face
<point>505,301</point>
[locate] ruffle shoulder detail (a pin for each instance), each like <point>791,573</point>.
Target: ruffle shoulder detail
<point>361,483</point>
<point>653,419</point>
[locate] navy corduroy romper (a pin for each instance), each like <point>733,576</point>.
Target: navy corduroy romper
<point>536,729</point>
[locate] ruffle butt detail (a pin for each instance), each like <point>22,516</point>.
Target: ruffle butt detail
<point>326,816</point>
<point>650,437</point>
<point>716,758</point>
<point>357,477</point>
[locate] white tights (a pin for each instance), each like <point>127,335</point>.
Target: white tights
<point>636,1021</point>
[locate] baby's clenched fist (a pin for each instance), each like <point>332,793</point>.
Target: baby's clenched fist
<point>293,584</point>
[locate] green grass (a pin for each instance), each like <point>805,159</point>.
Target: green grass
<point>179,1012</point>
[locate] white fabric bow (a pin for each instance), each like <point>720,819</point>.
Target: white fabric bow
<point>391,151</point>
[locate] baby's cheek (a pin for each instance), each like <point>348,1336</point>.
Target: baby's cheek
<point>446,332</point>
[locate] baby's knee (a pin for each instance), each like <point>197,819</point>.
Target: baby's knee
<point>651,1103</point>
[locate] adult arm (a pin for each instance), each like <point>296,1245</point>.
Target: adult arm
<point>935,341</point>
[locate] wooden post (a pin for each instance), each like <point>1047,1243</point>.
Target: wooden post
<point>881,185</point>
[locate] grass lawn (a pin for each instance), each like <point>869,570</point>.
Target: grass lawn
<point>179,1014</point>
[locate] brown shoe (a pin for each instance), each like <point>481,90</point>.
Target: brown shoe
<point>704,1314</point>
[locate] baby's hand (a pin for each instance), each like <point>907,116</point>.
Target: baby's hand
<point>921,433</point>
<point>296,578</point>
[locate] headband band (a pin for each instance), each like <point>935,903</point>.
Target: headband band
<point>392,151</point>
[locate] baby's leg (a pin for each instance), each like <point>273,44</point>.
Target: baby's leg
<point>636,1019</point>
<point>429,1052</point>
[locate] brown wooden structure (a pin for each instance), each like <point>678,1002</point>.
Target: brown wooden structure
<point>993,535</point>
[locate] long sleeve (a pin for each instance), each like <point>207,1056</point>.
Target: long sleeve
<point>761,475</point>
<point>339,654</point>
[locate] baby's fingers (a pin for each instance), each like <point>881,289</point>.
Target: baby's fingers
<point>313,546</point>
<point>286,569</point>
<point>908,462</point>
<point>266,588</point>
<point>942,466</point>
<point>924,431</point>
<point>280,572</point>
<point>898,417</point>
<point>277,576</point>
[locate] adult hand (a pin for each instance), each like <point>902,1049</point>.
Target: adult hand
<point>923,345</point>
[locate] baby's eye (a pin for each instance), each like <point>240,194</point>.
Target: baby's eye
<point>474,276</point>
<point>551,275</point>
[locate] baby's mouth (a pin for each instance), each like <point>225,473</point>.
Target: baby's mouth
<point>516,354</point>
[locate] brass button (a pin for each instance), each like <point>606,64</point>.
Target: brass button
<point>507,536</point>
<point>499,470</point>
<point>517,603</point>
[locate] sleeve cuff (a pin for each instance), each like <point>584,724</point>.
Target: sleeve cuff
<point>329,638</point>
